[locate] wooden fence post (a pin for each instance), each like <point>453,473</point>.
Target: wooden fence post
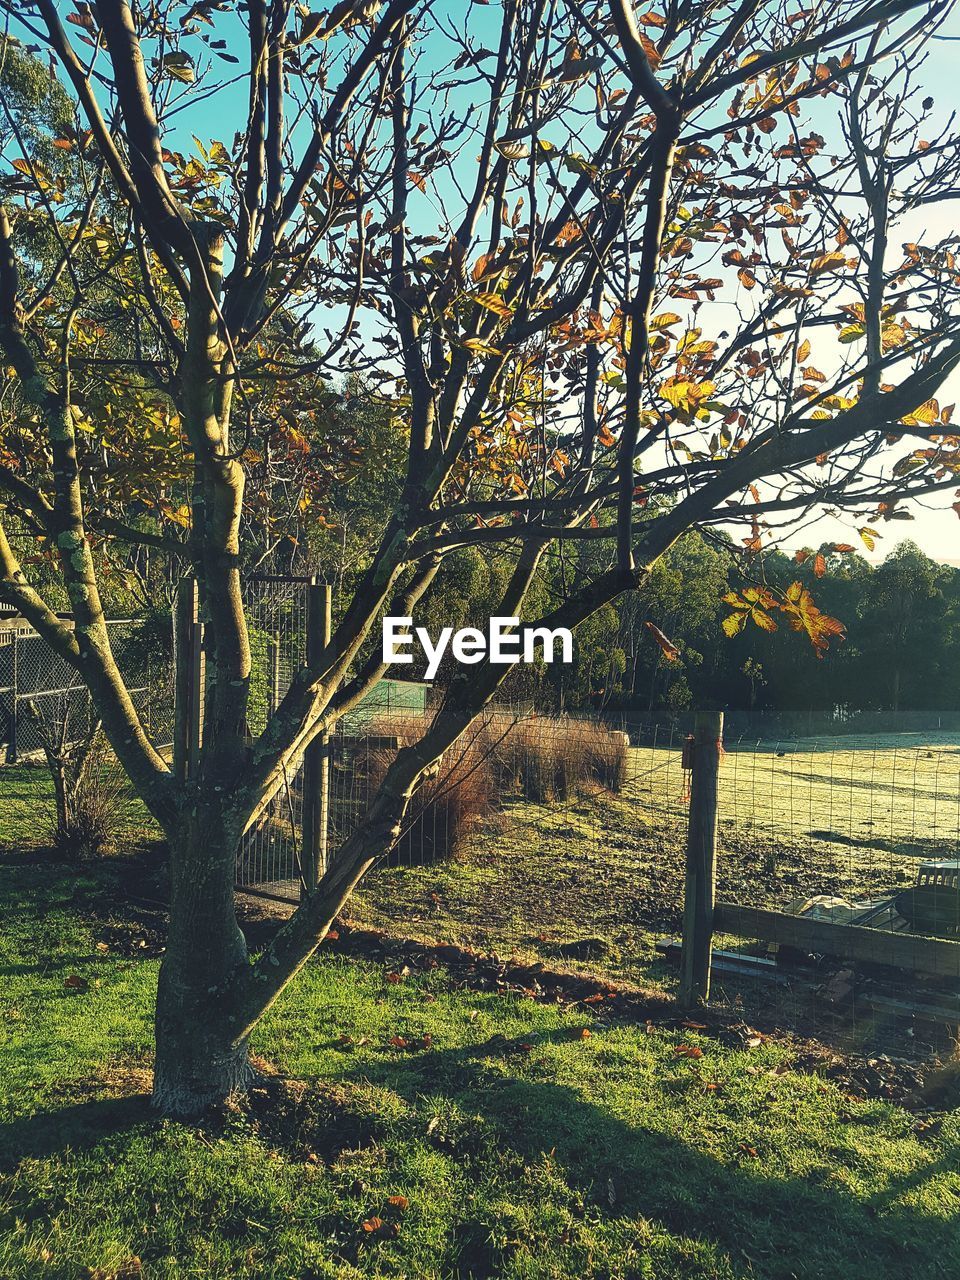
<point>188,681</point>
<point>14,694</point>
<point>316,759</point>
<point>700,887</point>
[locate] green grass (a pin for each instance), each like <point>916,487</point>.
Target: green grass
<point>522,1148</point>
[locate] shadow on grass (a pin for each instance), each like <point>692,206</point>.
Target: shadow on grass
<point>904,848</point>
<point>74,1128</point>
<point>767,1223</point>
<point>781,1225</point>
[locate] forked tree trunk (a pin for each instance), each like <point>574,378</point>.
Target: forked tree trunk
<point>200,1060</point>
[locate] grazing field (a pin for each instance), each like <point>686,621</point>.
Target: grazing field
<point>432,1131</point>
<point>851,817</point>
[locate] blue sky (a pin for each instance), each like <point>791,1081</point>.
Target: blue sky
<point>935,527</point>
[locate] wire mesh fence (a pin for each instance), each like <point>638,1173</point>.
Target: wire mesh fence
<point>568,838</point>
<point>42,697</point>
<point>270,856</point>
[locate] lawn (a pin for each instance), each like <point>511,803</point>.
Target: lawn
<point>431,1130</point>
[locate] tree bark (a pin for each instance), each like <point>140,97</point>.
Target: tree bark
<point>201,1061</point>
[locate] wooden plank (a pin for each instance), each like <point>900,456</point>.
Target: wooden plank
<point>916,952</point>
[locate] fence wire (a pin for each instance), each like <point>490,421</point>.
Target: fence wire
<point>42,696</point>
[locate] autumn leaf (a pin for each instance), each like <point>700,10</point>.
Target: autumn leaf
<point>398,1202</point>
<point>826,262</point>
<point>733,624</point>
<point>685,395</point>
<point>688,1050</point>
<point>925,415</point>
<point>606,436</point>
<point>179,66</point>
<point>667,647</point>
<point>819,564</point>
<point>651,50</point>
<point>868,537</point>
<point>76,983</point>
<point>803,614</point>
<point>484,267</point>
<point>372,1225</point>
<point>493,302</point>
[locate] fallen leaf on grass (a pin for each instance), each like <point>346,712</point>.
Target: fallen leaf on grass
<point>76,983</point>
<point>398,1202</point>
<point>688,1050</point>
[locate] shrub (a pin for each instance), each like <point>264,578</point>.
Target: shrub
<point>549,759</point>
<point>447,806</point>
<point>605,754</point>
<point>88,823</point>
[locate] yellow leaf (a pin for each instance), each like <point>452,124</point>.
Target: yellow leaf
<point>493,302</point>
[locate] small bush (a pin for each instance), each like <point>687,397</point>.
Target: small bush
<point>604,754</point>
<point>549,760</point>
<point>447,806</point>
<point>87,825</point>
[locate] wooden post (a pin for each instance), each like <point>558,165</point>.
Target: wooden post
<point>14,691</point>
<point>700,888</point>
<point>273,652</point>
<point>316,759</point>
<point>188,677</point>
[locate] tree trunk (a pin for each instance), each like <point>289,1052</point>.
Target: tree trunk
<point>200,1059</point>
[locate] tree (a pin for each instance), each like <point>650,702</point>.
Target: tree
<point>903,613</point>
<point>616,275</point>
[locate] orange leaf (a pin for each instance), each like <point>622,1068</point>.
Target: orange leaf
<point>819,565</point>
<point>651,50</point>
<point>668,648</point>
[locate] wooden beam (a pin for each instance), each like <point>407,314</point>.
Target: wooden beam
<point>915,952</point>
